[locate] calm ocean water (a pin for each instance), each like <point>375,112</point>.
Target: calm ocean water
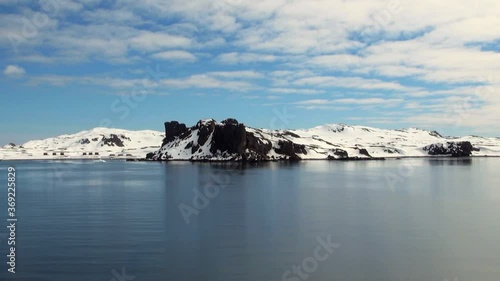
<point>419,219</point>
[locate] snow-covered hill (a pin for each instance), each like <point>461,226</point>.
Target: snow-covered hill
<point>92,144</point>
<point>230,140</point>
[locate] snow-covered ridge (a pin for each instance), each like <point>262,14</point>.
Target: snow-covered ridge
<point>230,140</point>
<point>95,143</point>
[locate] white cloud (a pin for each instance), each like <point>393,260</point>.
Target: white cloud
<point>14,70</point>
<point>348,82</point>
<point>206,82</point>
<point>110,82</point>
<point>243,74</point>
<point>175,56</point>
<point>108,16</point>
<point>152,41</point>
<point>337,61</point>
<point>296,91</point>
<point>314,102</point>
<point>236,58</point>
<point>360,101</point>
<point>369,101</point>
<point>231,80</point>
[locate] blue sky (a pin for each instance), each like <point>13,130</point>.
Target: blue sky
<point>68,66</point>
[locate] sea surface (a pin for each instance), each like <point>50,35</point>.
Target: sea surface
<point>404,220</point>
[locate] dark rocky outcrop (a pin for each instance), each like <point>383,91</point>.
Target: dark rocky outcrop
<point>288,133</point>
<point>392,150</point>
<point>205,129</point>
<point>172,130</point>
<point>256,144</point>
<point>230,137</point>
<point>84,141</point>
<point>435,134</point>
<point>364,152</point>
<point>290,149</point>
<point>230,121</point>
<point>339,153</point>
<point>113,140</point>
<point>195,148</point>
<point>454,149</point>
<point>10,145</point>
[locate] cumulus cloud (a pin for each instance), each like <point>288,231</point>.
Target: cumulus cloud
<point>14,70</point>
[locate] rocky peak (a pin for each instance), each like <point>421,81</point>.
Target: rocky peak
<point>173,129</point>
<point>230,121</point>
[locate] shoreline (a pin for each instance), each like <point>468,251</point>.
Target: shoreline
<point>260,161</point>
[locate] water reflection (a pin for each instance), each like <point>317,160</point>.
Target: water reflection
<point>450,161</point>
<point>441,219</point>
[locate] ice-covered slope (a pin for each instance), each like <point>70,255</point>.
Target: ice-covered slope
<point>95,143</point>
<point>230,140</point>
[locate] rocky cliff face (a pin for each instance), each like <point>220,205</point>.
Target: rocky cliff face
<point>209,140</point>
<point>173,129</point>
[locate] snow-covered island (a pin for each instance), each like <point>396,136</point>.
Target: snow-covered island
<point>230,140</point>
